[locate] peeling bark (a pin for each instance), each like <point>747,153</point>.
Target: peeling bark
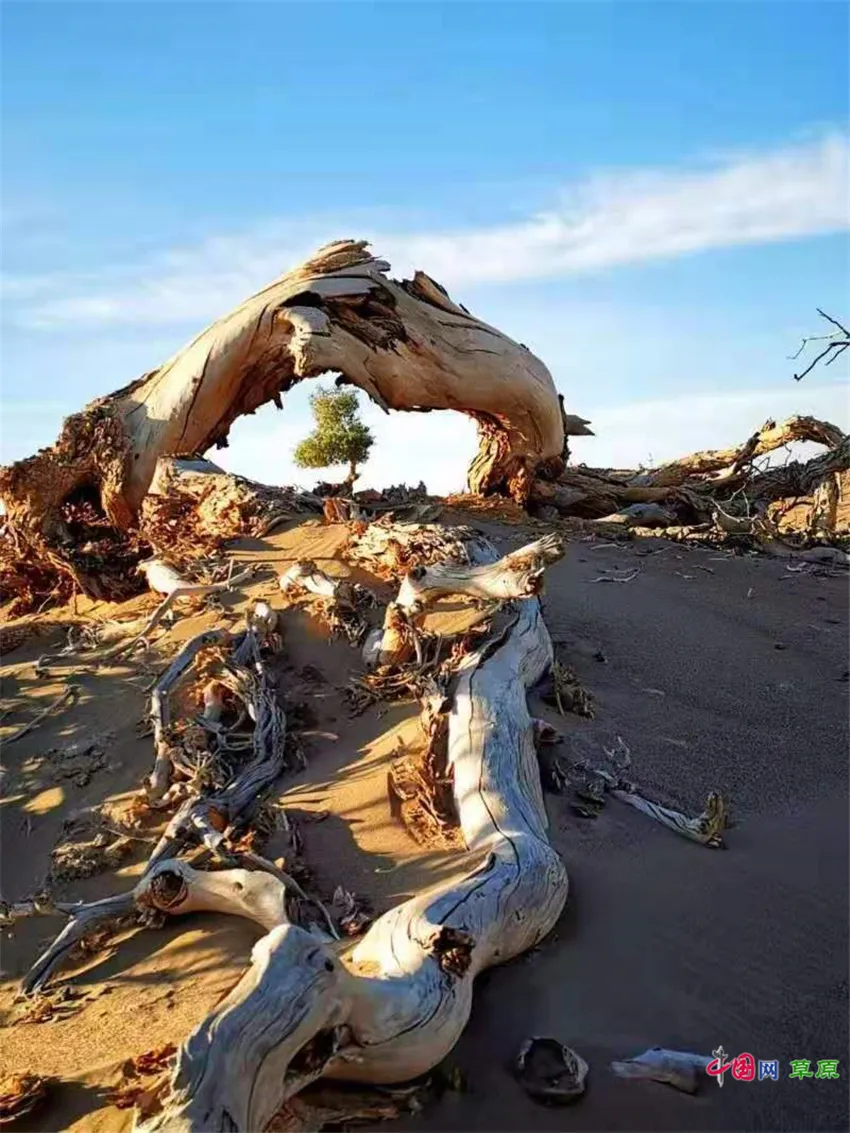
<point>194,504</point>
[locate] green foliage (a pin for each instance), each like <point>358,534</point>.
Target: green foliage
<point>339,437</point>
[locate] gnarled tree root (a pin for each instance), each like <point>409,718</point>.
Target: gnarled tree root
<point>392,1006</point>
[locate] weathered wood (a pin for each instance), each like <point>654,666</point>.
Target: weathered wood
<point>205,818</point>
<point>693,488</point>
<point>389,549</point>
<point>722,465</point>
<point>516,575</point>
<point>305,575</point>
<point>392,1006</point>
<point>406,344</point>
<point>160,777</point>
<point>192,503</point>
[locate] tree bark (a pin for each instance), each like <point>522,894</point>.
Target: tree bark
<point>406,344</point>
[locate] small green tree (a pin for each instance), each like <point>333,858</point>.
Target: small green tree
<point>340,437</point>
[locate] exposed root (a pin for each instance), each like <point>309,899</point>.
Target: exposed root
<point>213,818</point>
<point>163,579</point>
<point>707,828</point>
<point>438,658</point>
<point>160,777</point>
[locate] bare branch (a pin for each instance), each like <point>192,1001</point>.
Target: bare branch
<point>838,341</point>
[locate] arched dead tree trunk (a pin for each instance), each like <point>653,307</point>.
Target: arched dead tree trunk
<point>404,343</point>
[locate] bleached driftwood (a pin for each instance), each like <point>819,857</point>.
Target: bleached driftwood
<point>516,575</point>
<point>392,1006</point>
<point>305,575</point>
<point>164,579</point>
<point>174,887</point>
<point>168,886</point>
<point>707,828</point>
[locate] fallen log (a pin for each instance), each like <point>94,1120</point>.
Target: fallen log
<point>705,487</point>
<point>724,465</point>
<point>392,1006</point>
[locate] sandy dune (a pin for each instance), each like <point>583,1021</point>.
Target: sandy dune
<point>719,672</point>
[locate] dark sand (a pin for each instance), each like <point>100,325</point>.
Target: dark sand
<point>663,942</point>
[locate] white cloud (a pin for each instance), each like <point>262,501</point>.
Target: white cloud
<point>798,191</point>
<point>610,219</point>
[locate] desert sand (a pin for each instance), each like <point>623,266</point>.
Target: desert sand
<point>718,671</point>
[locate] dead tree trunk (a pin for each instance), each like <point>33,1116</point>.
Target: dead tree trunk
<point>391,1007</point>
<point>404,343</point>
<point>690,487</point>
<point>723,466</point>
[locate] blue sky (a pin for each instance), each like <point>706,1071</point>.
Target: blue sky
<point>652,196</point>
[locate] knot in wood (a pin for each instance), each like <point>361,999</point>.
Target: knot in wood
<point>452,948</point>
<point>168,889</point>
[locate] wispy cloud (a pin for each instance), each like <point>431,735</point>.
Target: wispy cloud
<point>609,220</point>
<point>794,192</point>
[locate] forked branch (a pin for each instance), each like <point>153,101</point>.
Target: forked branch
<point>837,342</point>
